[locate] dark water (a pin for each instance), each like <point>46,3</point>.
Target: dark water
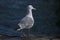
<point>12,11</point>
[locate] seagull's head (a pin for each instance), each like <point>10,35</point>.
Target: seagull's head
<point>31,7</point>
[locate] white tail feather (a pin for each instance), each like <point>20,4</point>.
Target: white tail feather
<point>18,29</point>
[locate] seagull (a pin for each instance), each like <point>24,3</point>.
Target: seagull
<point>28,21</point>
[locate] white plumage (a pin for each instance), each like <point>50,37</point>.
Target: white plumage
<point>28,21</point>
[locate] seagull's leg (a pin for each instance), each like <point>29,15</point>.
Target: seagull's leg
<point>28,35</point>
<point>29,32</point>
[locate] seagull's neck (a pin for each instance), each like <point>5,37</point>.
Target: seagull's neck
<point>29,13</point>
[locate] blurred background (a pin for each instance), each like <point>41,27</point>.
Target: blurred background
<point>47,16</point>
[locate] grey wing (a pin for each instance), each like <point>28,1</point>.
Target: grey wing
<point>26,22</point>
